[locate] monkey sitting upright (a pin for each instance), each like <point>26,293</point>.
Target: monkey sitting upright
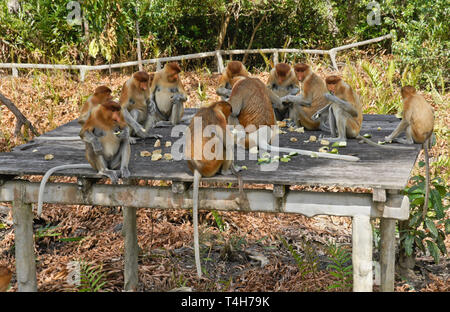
<point>283,81</point>
<point>134,99</point>
<point>108,124</point>
<point>344,113</point>
<point>167,96</point>
<point>417,123</point>
<point>234,69</point>
<point>102,94</point>
<point>307,104</point>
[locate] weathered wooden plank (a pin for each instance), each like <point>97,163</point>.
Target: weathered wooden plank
<point>378,168</point>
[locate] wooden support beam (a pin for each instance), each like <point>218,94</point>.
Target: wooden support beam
<point>24,242</point>
<point>131,249</point>
<point>387,254</point>
<point>362,253</point>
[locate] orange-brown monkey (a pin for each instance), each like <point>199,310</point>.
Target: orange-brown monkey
<point>418,124</point>
<point>283,81</point>
<point>344,113</point>
<point>251,103</point>
<point>306,105</point>
<point>5,278</point>
<point>136,104</point>
<point>233,69</point>
<point>102,94</point>
<point>168,95</point>
<point>206,155</point>
<point>108,124</point>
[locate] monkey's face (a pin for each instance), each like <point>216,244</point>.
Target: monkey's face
<point>143,85</point>
<point>118,119</point>
<point>331,87</point>
<point>172,77</point>
<point>281,78</point>
<point>300,75</point>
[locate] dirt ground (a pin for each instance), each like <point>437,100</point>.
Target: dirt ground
<point>239,251</point>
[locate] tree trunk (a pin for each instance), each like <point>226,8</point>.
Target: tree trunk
<point>21,119</point>
<point>253,37</point>
<point>223,30</point>
<point>332,27</point>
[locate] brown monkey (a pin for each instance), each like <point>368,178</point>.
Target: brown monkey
<point>251,104</point>
<point>168,95</point>
<point>108,124</point>
<point>418,124</point>
<point>212,119</point>
<point>344,113</point>
<point>5,278</point>
<point>136,104</point>
<point>313,98</point>
<point>233,69</point>
<point>283,81</point>
<point>102,94</point>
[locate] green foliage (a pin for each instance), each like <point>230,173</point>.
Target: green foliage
<point>339,267</point>
<point>91,277</point>
<point>307,263</point>
<point>427,234</point>
<point>39,32</point>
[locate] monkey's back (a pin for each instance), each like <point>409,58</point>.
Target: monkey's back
<point>315,86</point>
<point>209,117</point>
<point>257,108</point>
<point>421,116</point>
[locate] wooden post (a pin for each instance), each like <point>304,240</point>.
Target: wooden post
<point>220,66</point>
<point>387,254</point>
<point>83,74</point>
<point>362,253</point>
<point>131,249</point>
<point>333,59</point>
<point>24,243</point>
<point>275,58</point>
<point>15,72</point>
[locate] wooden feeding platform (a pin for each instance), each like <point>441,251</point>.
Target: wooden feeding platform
<point>386,172</point>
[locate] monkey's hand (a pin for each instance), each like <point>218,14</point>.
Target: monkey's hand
<point>319,113</point>
<point>295,99</point>
<point>178,97</point>
<point>344,104</point>
<point>293,90</point>
<point>124,173</point>
<point>224,92</point>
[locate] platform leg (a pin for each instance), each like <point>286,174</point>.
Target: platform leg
<point>131,249</point>
<point>362,253</point>
<point>24,242</point>
<point>387,254</point>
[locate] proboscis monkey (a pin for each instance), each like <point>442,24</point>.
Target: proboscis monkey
<point>312,99</point>
<point>206,155</point>
<point>251,104</point>
<point>136,104</point>
<point>168,95</point>
<point>108,124</point>
<point>283,81</point>
<point>418,124</point>
<point>102,94</point>
<point>344,113</point>
<point>233,69</point>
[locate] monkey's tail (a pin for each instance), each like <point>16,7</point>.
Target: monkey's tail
<point>269,147</point>
<point>372,143</point>
<point>427,179</point>
<point>48,174</point>
<point>197,177</point>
